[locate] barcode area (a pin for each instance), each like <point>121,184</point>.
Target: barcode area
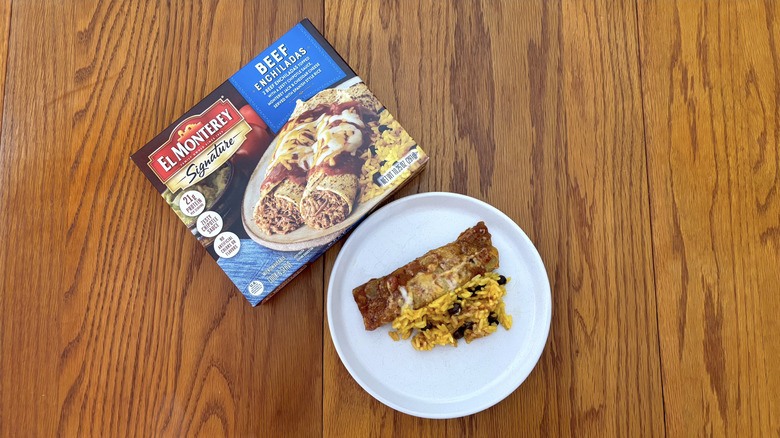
<point>398,168</point>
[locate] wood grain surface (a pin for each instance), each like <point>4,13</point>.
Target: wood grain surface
<point>712,112</point>
<point>637,144</point>
<point>574,180</point>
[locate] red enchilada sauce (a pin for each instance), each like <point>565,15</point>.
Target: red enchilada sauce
<point>278,174</point>
<point>344,163</point>
<point>380,300</point>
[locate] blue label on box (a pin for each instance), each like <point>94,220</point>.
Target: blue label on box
<point>257,271</point>
<point>294,67</point>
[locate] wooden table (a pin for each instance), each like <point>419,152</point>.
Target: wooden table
<point>636,144</point>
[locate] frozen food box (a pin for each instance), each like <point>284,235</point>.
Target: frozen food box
<point>280,161</point>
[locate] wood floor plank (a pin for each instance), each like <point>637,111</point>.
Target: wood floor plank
<point>116,321</point>
<point>33,178</point>
<point>535,108</point>
<point>711,82</point>
<point>5,32</point>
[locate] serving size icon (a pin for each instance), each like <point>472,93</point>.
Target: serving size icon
<point>255,288</point>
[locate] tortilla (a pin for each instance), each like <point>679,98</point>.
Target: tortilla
<point>333,180</point>
<point>427,278</point>
<point>277,210</point>
<point>328,199</point>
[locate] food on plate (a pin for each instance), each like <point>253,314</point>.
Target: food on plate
<point>428,278</point>
<point>471,311</point>
<point>277,211</point>
<point>447,294</point>
<point>333,179</point>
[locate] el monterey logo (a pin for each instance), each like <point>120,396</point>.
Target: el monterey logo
<point>199,145</point>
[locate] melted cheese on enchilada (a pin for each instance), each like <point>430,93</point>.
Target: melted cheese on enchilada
<point>295,146</point>
<point>338,133</point>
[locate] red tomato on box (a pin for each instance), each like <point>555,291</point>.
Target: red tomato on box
<point>251,116</point>
<point>256,143</point>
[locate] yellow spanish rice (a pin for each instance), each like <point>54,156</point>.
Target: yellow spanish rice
<point>481,311</point>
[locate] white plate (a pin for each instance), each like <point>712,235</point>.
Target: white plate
<point>446,382</point>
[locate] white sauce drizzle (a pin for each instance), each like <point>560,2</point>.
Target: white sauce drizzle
<point>344,137</point>
<point>407,298</point>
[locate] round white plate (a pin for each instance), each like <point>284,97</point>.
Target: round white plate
<point>446,382</point>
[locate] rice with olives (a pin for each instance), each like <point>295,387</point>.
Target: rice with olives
<point>389,143</point>
<point>472,311</point>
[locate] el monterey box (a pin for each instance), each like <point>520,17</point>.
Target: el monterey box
<point>280,161</point>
